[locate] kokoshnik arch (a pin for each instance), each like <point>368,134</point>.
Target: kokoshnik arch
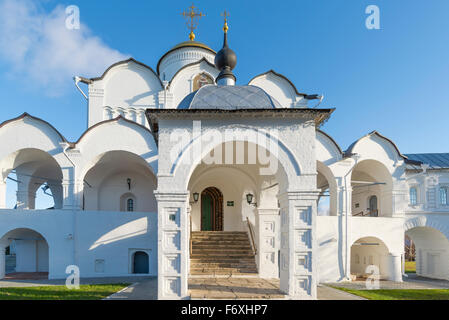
<point>124,206</point>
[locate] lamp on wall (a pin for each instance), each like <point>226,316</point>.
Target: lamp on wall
<point>196,196</point>
<point>129,183</point>
<point>249,199</point>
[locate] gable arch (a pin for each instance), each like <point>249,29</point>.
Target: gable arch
<point>129,83</point>
<point>27,131</point>
<point>182,82</point>
<point>279,87</point>
<point>183,167</point>
<point>118,134</point>
<point>327,150</point>
<point>378,147</point>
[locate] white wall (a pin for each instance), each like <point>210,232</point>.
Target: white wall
<point>81,238</point>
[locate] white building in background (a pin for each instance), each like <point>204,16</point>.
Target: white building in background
<point>129,191</point>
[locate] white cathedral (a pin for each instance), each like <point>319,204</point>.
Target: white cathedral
<point>182,173</point>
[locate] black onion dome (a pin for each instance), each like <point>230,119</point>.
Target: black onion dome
<point>226,57</point>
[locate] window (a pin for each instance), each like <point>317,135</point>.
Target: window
<point>130,205</point>
<point>413,196</point>
<point>444,196</point>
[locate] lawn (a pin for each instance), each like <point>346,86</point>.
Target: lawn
<point>401,294</point>
<point>410,266</point>
<point>86,292</point>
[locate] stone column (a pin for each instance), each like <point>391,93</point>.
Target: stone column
<point>395,267</point>
<point>72,194</point>
<point>173,245</point>
<point>345,219</point>
<point>298,265</point>
<point>267,226</point>
<point>2,262</point>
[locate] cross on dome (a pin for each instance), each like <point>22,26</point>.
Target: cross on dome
<point>192,16</point>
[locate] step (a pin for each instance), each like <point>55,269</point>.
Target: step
<point>222,270</point>
<point>230,246</point>
<point>221,264</point>
<point>222,250</point>
<point>209,259</point>
<point>220,257</point>
<point>220,242</point>
<point>222,253</point>
<point>222,273</point>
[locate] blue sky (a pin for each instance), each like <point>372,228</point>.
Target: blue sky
<point>394,80</point>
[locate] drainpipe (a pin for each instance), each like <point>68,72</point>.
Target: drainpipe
<point>77,80</point>
<point>65,146</point>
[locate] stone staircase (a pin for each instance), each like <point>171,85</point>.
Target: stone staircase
<point>222,254</point>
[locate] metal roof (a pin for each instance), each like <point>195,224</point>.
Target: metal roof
<point>434,160</point>
<point>212,97</point>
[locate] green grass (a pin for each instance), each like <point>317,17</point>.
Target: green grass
<point>86,292</point>
<point>410,266</point>
<point>401,294</point>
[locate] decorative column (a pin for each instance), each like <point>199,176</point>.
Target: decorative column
<point>72,194</point>
<point>345,219</point>
<point>2,262</point>
<point>173,245</point>
<point>298,261</point>
<point>267,226</point>
<point>395,267</point>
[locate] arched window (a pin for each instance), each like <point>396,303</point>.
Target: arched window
<point>444,196</point>
<point>413,196</point>
<point>130,205</point>
<point>128,202</point>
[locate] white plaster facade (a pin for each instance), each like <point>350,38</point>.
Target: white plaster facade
<point>122,158</point>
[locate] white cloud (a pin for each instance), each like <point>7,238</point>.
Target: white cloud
<point>39,48</point>
<point>324,206</point>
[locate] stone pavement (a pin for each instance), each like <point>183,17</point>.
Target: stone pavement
<point>4,283</point>
<point>328,293</point>
<point>142,290</point>
<point>412,281</point>
<point>234,288</point>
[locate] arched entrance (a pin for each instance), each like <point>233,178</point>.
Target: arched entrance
<point>431,251</point>
<point>28,256</point>
<point>211,210</point>
<point>141,262</point>
<point>369,251</point>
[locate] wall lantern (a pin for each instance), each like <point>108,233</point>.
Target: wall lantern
<point>129,183</point>
<point>196,196</point>
<point>249,199</point>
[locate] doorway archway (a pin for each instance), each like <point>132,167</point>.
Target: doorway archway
<point>211,210</point>
<point>141,262</point>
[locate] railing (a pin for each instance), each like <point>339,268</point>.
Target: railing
<point>190,240</point>
<point>371,213</point>
<point>251,233</point>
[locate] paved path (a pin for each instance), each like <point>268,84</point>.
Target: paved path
<point>142,290</point>
<point>46,282</point>
<point>411,282</point>
<point>234,288</point>
<point>327,293</point>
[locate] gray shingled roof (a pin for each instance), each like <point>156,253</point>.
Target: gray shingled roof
<point>434,160</point>
<point>212,97</point>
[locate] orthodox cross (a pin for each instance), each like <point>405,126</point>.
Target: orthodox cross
<point>225,14</point>
<point>192,16</point>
